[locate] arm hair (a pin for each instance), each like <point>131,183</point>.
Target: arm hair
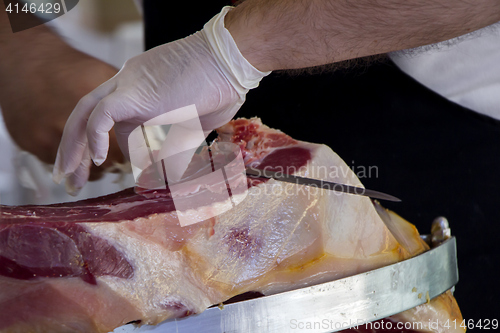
<point>291,34</point>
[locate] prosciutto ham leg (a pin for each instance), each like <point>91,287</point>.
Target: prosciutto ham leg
<point>93,265</point>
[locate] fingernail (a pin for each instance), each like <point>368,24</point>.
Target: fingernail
<point>71,189</point>
<point>98,161</point>
<point>58,176</point>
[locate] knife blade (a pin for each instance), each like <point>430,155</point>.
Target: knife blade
<point>338,187</point>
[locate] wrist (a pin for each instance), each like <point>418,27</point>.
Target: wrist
<point>242,74</point>
<point>248,38</point>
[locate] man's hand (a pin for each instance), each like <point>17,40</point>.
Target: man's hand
<point>204,69</point>
<point>37,94</point>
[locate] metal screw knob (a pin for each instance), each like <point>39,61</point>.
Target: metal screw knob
<point>440,230</point>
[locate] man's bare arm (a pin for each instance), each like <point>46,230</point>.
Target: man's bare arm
<point>15,47</point>
<point>41,80</point>
<point>288,34</point>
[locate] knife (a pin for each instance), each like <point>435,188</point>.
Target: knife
<point>320,184</point>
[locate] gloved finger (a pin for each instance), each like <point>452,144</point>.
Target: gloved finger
<point>78,178</point>
<point>74,138</point>
<point>115,157</point>
<point>122,131</point>
<point>100,122</point>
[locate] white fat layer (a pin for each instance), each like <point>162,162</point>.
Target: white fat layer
<point>354,228</point>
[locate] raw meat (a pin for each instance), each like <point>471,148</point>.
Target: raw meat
<point>62,269</point>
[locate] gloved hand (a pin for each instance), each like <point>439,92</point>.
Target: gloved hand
<point>205,69</point>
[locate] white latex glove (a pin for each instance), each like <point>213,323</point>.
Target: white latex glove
<point>205,69</point>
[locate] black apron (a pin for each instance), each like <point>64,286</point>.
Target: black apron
<point>438,157</point>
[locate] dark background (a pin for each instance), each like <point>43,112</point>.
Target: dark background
<point>439,158</point>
